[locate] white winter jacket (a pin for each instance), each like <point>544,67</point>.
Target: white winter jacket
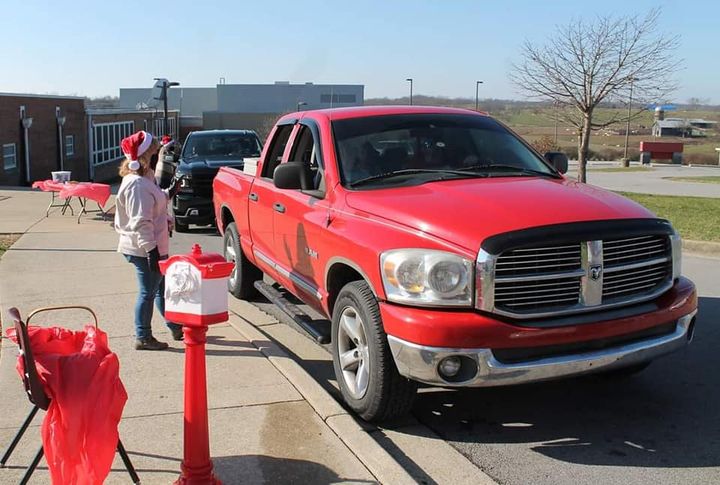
<point>141,216</point>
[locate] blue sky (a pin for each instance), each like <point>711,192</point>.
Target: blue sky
<point>94,47</point>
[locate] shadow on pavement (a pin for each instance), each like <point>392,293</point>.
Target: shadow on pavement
<point>268,469</point>
<point>665,416</point>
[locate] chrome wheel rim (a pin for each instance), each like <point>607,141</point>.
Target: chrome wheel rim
<point>231,256</point>
<point>353,354</point>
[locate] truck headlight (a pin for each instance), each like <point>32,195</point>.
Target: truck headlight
<point>427,277</point>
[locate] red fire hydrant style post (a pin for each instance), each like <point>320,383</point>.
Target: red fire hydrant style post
<point>196,296</point>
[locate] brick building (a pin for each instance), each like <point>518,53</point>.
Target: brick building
<point>40,134</point>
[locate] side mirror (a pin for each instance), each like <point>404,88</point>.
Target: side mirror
<point>558,160</point>
<point>293,176</point>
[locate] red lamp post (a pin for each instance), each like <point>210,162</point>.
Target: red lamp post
<point>196,296</point>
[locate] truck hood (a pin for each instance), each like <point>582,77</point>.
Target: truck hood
<point>467,211</point>
<point>210,163</point>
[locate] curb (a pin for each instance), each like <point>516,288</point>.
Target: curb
<point>702,248</point>
<point>378,461</point>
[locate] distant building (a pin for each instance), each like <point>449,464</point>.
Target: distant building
<point>40,134</point>
<point>680,127</point>
<point>191,103</point>
<point>107,127</point>
<point>251,106</point>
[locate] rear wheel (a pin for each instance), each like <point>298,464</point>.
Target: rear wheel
<point>364,367</point>
<point>243,277</point>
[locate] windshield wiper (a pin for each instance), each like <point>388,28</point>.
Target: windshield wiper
<point>524,170</point>
<point>411,171</point>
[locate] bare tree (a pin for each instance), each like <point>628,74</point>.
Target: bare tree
<point>590,62</point>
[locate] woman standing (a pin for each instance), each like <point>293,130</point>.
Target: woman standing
<point>143,223</point>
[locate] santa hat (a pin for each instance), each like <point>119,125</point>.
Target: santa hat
<point>165,140</point>
<point>135,145</point>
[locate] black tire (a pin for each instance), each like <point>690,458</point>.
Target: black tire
<point>387,395</point>
<point>181,227</point>
<point>241,282</point>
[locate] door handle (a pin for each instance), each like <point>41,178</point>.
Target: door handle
<point>253,196</point>
<point>279,207</point>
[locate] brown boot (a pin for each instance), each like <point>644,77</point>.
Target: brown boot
<point>150,343</point>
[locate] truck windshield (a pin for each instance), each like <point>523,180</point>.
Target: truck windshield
<point>391,149</point>
<point>222,146</point>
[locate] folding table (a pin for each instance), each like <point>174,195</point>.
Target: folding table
<point>53,188</point>
<point>99,193</point>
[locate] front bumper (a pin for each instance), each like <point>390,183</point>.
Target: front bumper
<point>421,363</point>
<point>193,209</point>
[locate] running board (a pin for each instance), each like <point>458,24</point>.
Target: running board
<point>303,320</point>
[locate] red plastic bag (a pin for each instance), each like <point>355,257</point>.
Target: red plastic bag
<point>82,377</point>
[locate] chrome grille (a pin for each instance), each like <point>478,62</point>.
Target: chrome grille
<point>630,281</point>
<point>535,295</point>
<point>538,260</point>
<point>576,276</point>
<point>627,251</point>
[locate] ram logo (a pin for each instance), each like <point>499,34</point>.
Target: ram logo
<point>595,272</point>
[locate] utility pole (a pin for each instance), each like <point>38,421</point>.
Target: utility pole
<point>411,83</point>
<point>626,162</point>
<point>556,103</point>
<point>477,85</point>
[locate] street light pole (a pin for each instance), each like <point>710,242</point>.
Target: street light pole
<point>477,86</point>
<point>165,85</point>
<point>299,104</point>
<point>626,162</point>
<point>411,83</point>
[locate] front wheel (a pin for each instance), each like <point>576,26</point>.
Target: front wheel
<point>364,368</point>
<point>242,279</point>
<point>181,227</point>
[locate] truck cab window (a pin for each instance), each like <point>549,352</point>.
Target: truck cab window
<point>306,151</point>
<point>276,150</point>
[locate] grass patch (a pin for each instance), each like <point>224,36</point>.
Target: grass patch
<point>713,179</point>
<point>7,240</point>
<point>696,218</point>
<point>622,169</point>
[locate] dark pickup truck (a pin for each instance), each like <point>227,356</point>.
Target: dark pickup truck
<point>203,153</point>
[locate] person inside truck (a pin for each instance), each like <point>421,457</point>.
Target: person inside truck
<point>365,163</point>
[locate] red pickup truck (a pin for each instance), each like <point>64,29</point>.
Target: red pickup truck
<point>445,250</point>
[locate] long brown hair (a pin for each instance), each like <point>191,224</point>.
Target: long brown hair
<point>144,160</point>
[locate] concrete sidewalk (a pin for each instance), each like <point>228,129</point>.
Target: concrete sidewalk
<point>264,428</point>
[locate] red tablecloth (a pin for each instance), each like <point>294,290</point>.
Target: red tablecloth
<point>48,185</point>
<point>100,193</point>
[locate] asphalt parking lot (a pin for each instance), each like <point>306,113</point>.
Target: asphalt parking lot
<point>660,426</point>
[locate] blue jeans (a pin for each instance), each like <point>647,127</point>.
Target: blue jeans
<point>152,287</point>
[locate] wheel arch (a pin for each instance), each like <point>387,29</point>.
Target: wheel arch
<point>226,217</point>
<point>339,272</point>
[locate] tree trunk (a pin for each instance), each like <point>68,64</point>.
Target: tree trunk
<point>583,146</point>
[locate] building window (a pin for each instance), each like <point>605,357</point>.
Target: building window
<point>338,98</point>
<point>9,156</point>
<point>106,140</point>
<point>69,145</point>
<point>159,127</point>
